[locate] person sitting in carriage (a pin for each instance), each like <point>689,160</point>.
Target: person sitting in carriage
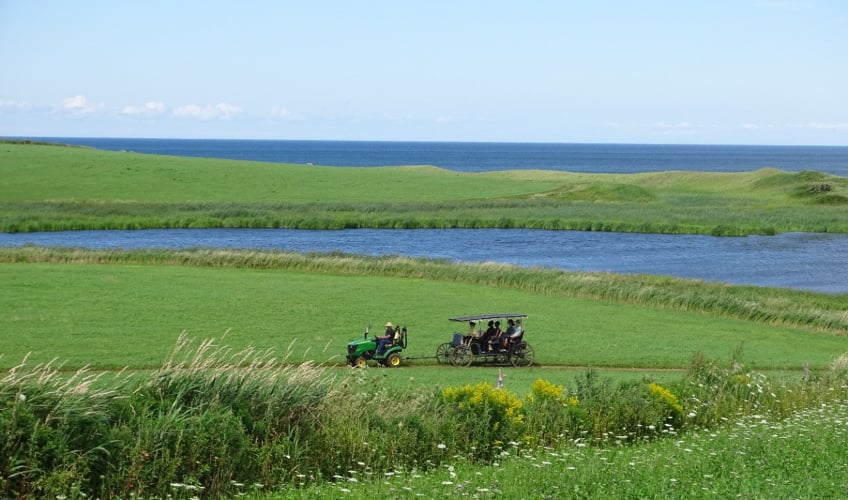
<point>513,332</point>
<point>472,334</point>
<point>489,335</point>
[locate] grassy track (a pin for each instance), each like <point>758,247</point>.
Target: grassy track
<point>51,187</point>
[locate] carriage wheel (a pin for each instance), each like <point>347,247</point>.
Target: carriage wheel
<point>462,356</point>
<point>443,353</point>
<point>523,355</point>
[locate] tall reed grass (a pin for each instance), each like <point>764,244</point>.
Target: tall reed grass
<point>212,422</point>
<point>809,310</point>
<point>720,218</point>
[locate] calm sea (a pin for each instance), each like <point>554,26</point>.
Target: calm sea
<point>485,156</point>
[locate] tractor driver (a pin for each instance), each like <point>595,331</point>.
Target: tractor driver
<point>386,339</point>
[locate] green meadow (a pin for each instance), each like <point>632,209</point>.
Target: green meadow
<point>52,187</point>
<point>114,309</point>
<point>221,373</point>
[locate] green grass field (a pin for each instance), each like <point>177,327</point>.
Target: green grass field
<point>96,401</point>
<point>258,426</point>
<point>53,187</point>
<point>115,315</point>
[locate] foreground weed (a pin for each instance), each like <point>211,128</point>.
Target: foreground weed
<point>213,420</point>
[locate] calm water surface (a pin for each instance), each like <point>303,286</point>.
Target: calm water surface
<point>488,156</point>
<point>816,262</point>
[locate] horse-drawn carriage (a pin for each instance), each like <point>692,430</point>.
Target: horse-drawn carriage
<point>489,344</point>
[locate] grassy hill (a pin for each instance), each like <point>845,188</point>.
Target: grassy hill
<point>51,187</point>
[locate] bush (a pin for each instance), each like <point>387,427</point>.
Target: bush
<point>211,421</point>
<point>551,416</point>
<point>488,417</point>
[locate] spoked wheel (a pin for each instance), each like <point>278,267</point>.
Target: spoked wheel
<point>462,356</point>
<point>443,353</point>
<point>523,355</point>
<point>394,360</point>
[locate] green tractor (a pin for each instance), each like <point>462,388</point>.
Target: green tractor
<point>360,351</point>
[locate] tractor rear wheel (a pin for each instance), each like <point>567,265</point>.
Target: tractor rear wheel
<point>394,360</point>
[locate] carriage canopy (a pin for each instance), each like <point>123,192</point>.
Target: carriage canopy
<point>484,317</point>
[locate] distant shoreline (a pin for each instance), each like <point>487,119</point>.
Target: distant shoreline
<point>490,156</point>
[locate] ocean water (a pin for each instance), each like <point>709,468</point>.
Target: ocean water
<point>483,156</point>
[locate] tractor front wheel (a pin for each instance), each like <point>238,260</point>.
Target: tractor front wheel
<point>361,362</point>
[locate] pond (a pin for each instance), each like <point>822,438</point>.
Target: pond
<point>804,261</point>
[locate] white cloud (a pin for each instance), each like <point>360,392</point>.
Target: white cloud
<point>281,113</point>
<point>10,103</point>
<point>209,112</point>
<point>676,126</point>
<point>79,104</point>
<point>832,127</point>
<point>148,109</point>
<point>757,126</point>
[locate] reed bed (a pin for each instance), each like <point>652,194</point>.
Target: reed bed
<point>213,422</point>
<point>678,216</point>
<point>824,313</point>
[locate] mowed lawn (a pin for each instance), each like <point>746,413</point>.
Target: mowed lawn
<point>110,316</point>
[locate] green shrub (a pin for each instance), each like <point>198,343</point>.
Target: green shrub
<point>211,421</point>
<point>551,416</point>
<point>488,417</point>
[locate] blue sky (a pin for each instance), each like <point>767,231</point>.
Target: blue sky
<point>695,72</point>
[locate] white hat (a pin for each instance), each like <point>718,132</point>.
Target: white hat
<point>389,323</point>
